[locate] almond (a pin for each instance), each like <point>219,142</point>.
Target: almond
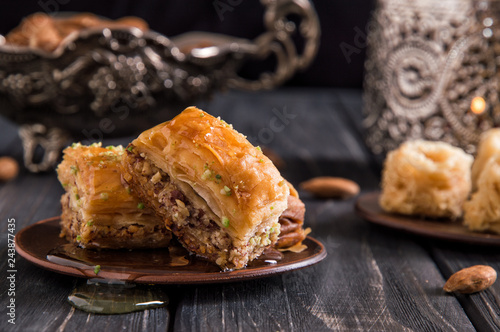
<point>9,168</point>
<point>472,279</point>
<point>331,187</point>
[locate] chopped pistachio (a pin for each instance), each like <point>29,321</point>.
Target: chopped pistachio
<point>97,268</point>
<point>130,148</point>
<point>74,170</point>
<point>104,196</point>
<point>227,190</point>
<point>258,148</point>
<point>129,191</point>
<point>77,197</point>
<point>78,238</point>
<point>140,206</point>
<point>261,160</point>
<point>202,115</point>
<point>90,223</point>
<point>271,230</point>
<point>225,221</point>
<point>110,147</point>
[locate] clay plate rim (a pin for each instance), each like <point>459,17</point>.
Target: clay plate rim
<point>48,230</point>
<point>368,208</point>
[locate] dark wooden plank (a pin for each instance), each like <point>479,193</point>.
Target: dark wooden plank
<point>40,295</point>
<point>483,308</point>
<point>372,279</point>
<point>41,305</point>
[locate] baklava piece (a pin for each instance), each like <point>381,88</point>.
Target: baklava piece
<point>482,211</point>
<point>98,211</point>
<point>47,32</point>
<point>292,222</point>
<point>488,147</point>
<point>220,196</point>
<point>426,178</point>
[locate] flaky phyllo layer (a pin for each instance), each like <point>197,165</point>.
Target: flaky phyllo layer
<point>99,211</point>
<point>221,196</point>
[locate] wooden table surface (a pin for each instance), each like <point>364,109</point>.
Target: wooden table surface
<point>373,279</point>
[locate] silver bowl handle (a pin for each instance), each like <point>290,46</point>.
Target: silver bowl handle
<point>277,40</point>
<point>50,141</point>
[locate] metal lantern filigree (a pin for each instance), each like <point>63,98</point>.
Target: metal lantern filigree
<point>115,82</point>
<point>429,63</point>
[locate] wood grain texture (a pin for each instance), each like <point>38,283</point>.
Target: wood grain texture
<point>373,278</point>
<point>482,307</point>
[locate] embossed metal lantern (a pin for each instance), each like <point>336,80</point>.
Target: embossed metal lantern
<point>119,81</point>
<point>432,72</point>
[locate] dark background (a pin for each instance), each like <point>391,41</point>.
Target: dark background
<point>339,62</point>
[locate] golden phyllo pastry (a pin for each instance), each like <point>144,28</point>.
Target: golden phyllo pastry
<point>220,196</point>
<point>482,212</point>
<point>426,178</point>
<point>98,211</point>
<point>488,147</point>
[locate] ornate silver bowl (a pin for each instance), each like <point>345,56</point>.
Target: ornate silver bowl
<point>115,82</point>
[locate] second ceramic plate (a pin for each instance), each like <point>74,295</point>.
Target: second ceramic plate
<point>367,207</point>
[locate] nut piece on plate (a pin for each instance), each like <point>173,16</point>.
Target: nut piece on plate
<point>426,178</point>
<point>489,146</point>
<point>331,187</point>
<point>471,280</point>
<point>9,168</point>
<point>481,212</point>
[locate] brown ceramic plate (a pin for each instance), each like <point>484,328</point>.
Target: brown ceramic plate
<point>148,266</point>
<point>367,207</point>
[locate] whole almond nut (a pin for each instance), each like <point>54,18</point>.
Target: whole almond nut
<point>331,187</point>
<point>9,168</point>
<point>472,279</point>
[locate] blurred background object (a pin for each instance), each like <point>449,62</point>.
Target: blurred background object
<point>97,84</point>
<point>432,72</point>
<point>339,62</point>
